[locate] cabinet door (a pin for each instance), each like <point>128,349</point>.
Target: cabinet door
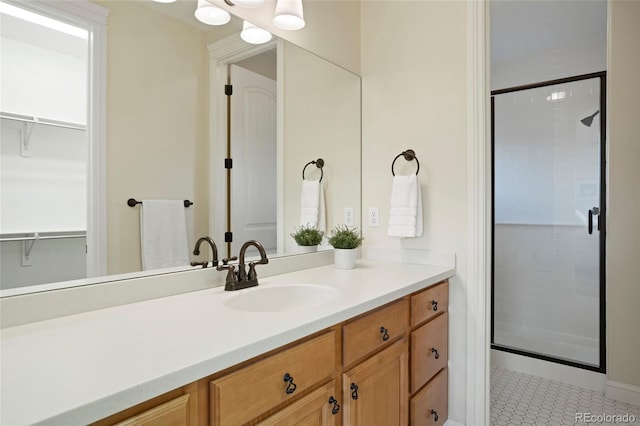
<point>172,413</point>
<point>376,391</point>
<point>319,408</point>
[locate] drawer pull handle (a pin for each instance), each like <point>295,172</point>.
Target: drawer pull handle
<point>291,387</point>
<point>354,391</point>
<point>435,415</point>
<point>336,407</point>
<point>434,350</point>
<point>385,334</point>
<point>434,305</point>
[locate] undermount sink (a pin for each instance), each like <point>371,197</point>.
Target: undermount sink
<point>280,298</point>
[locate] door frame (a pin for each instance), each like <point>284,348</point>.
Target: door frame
<point>222,53</point>
<point>602,76</point>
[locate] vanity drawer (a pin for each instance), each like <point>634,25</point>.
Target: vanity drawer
<point>429,303</point>
<point>251,391</point>
<point>430,405</point>
<point>429,352</point>
<point>370,332</point>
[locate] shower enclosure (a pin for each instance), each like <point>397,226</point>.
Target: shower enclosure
<point>548,279</point>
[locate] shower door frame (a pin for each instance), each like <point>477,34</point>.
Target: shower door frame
<point>602,367</point>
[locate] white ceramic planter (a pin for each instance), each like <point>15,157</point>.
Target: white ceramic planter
<point>344,258</point>
<point>307,249</point>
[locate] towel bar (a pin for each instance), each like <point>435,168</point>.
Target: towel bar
<point>132,202</point>
<point>408,155</point>
<point>319,164</point>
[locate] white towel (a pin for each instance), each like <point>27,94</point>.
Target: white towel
<point>405,216</point>
<point>312,208</point>
<point>163,234</point>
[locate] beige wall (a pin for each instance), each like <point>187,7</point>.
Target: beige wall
<point>321,120</point>
<point>414,96</point>
<point>623,233</point>
<point>332,28</point>
<point>156,123</point>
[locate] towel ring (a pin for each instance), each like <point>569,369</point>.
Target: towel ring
<point>319,164</point>
<point>132,202</point>
<point>408,155</point>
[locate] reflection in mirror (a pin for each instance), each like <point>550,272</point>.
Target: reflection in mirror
<point>164,137</point>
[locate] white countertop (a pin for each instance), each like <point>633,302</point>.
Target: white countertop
<point>82,368</point>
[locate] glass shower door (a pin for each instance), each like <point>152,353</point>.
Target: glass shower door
<point>548,194</point>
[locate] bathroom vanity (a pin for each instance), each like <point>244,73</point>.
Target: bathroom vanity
<point>358,347</point>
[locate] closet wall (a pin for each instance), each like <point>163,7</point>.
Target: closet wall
<point>43,167</point>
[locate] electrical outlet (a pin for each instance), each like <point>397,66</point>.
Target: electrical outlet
<point>348,216</point>
<point>374,217</point>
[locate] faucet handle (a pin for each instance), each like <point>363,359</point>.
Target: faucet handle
<point>226,260</point>
<point>252,275</point>
<point>203,264</point>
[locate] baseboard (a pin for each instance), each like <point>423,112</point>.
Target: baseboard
<point>450,422</point>
<point>549,370</point>
<point>622,392</point>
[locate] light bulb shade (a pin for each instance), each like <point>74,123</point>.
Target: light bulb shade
<point>249,4</point>
<point>288,15</point>
<point>254,35</point>
<point>210,14</point>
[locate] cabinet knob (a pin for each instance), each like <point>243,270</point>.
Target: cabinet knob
<point>291,387</point>
<point>385,334</point>
<point>434,305</point>
<point>435,415</point>
<point>354,391</point>
<point>336,407</point>
<point>434,350</point>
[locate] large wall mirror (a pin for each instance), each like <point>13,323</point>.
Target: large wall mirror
<point>165,140</point>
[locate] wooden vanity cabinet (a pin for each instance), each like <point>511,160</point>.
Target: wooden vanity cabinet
<point>246,394</point>
<point>319,408</point>
<point>385,367</point>
<point>185,406</point>
<point>429,355</point>
<point>375,391</point>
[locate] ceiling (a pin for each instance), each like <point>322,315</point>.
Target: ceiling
<point>522,28</point>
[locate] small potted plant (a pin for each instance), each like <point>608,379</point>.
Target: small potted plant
<point>307,238</point>
<point>345,240</point>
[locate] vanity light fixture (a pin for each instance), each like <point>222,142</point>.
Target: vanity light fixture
<point>249,4</point>
<point>210,14</point>
<point>254,35</point>
<point>289,15</point>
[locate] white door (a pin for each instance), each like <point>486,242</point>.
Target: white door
<point>253,150</point>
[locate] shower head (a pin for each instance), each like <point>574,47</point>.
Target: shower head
<point>587,121</point>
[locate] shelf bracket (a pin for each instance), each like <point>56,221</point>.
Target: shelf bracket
<point>27,246</point>
<point>25,136</point>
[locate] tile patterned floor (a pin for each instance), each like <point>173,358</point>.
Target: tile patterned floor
<point>519,399</point>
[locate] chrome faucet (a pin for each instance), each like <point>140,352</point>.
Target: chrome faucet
<point>243,279</point>
<point>214,250</point>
